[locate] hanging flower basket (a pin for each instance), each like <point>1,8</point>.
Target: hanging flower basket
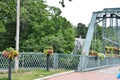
<point>112,48</point>
<point>48,50</point>
<point>101,55</point>
<point>10,53</point>
<point>92,53</point>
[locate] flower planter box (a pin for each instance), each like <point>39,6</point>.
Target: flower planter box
<point>49,51</point>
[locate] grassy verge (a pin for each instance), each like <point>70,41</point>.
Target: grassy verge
<point>28,75</point>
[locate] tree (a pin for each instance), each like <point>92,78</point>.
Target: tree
<point>41,25</point>
<point>62,3</point>
<point>81,30</point>
<point>45,27</point>
<point>7,23</point>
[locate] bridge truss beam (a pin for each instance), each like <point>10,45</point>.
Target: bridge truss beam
<point>109,17</point>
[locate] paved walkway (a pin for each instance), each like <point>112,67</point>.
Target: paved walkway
<point>100,74</point>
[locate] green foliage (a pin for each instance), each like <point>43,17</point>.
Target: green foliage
<point>97,39</point>
<point>29,74</point>
<point>4,78</point>
<point>2,28</point>
<point>79,51</point>
<point>7,23</point>
<point>40,25</point>
<point>96,45</point>
<point>62,3</point>
<point>101,55</point>
<point>45,27</point>
<point>98,32</point>
<point>81,30</point>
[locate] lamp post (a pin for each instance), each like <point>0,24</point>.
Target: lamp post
<point>17,34</point>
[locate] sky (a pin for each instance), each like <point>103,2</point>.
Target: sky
<point>80,11</point>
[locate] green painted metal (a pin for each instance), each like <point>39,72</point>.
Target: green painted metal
<point>86,48</point>
<point>109,17</point>
<point>89,35</point>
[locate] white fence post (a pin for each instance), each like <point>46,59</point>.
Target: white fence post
<point>55,61</point>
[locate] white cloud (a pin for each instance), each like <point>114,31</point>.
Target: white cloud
<point>81,10</point>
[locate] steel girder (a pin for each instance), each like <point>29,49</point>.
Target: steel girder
<point>110,17</point>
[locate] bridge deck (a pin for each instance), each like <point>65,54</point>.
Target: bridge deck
<point>100,74</point>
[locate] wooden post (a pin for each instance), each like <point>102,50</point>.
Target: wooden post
<point>9,68</point>
<point>47,63</point>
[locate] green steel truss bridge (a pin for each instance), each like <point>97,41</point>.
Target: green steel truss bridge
<point>109,19</point>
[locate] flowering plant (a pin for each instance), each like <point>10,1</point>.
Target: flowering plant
<point>48,50</point>
<point>10,53</point>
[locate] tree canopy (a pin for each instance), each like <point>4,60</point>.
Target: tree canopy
<point>40,25</point>
<point>81,30</point>
<point>62,2</point>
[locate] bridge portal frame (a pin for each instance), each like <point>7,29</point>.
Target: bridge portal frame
<point>108,14</point>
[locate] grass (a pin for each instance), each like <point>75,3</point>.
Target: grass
<point>28,75</point>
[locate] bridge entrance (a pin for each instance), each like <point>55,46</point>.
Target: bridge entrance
<point>103,35</point>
